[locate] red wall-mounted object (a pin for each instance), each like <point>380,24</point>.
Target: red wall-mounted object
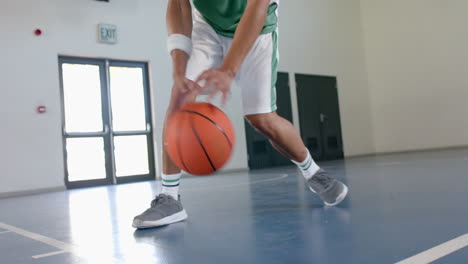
<point>41,109</point>
<point>37,32</point>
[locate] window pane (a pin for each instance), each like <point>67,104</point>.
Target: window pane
<point>82,97</point>
<point>85,159</point>
<point>128,99</point>
<point>131,155</point>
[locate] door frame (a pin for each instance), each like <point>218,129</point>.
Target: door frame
<point>107,134</point>
<point>299,115</point>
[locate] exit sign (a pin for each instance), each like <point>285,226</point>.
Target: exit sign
<point>107,33</point>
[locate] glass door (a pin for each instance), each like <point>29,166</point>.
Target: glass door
<point>131,120</point>
<point>107,131</point>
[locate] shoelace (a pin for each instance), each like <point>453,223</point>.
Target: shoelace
<point>322,178</point>
<point>159,199</point>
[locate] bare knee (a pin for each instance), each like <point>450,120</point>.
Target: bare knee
<point>263,122</point>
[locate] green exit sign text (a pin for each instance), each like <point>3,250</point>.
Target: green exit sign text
<point>107,33</point>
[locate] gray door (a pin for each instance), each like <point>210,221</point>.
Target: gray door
<point>260,152</point>
<point>107,133</point>
<point>319,116</point>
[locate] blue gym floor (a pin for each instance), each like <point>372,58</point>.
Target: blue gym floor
<point>399,206</point>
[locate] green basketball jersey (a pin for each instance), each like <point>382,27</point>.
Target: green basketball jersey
<point>224,15</point>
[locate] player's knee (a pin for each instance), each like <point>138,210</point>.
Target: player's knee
<point>262,122</point>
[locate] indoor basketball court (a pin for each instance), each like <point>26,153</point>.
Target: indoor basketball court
<point>93,136</point>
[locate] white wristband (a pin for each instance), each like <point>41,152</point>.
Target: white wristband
<point>180,42</point>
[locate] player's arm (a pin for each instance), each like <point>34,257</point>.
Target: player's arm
<point>179,21</point>
<point>247,32</point>
<point>179,28</point>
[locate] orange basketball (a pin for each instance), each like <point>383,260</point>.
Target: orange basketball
<point>199,138</point>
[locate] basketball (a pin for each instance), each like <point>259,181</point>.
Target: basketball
<point>199,138</point>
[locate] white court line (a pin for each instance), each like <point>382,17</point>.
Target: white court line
<point>46,240</point>
<point>437,252</point>
<point>49,254</point>
<point>3,232</point>
<point>389,163</point>
<point>220,187</point>
<point>64,247</point>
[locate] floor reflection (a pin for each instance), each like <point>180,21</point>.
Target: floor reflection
<point>398,206</point>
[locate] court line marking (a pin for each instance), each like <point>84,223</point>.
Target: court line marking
<point>64,247</point>
<point>437,252</point>
<point>282,176</point>
<point>389,163</point>
<point>50,254</point>
<point>3,232</point>
<point>46,240</point>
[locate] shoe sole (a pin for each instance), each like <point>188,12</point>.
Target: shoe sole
<point>340,197</point>
<point>177,217</point>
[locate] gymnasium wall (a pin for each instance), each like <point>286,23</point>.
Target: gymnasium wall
<point>31,153</point>
<point>417,60</point>
<point>316,37</point>
<point>324,37</point>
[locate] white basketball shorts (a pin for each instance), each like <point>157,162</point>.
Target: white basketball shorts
<point>257,75</point>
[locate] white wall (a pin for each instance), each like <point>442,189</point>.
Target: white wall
<point>316,37</point>
<point>31,153</point>
<point>417,60</point>
<point>324,37</point>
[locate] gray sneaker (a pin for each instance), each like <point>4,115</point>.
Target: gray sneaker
<point>164,210</point>
<point>330,190</point>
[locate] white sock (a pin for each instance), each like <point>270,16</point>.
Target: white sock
<point>170,184</point>
<point>308,167</point>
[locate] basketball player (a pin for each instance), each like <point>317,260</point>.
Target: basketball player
<point>215,44</point>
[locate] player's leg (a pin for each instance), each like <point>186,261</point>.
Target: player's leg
<point>287,141</point>
<point>171,174</point>
<point>257,79</point>
<point>206,54</point>
<point>167,208</point>
<point>281,134</point>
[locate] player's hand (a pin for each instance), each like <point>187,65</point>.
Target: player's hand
<point>216,81</point>
<point>183,91</point>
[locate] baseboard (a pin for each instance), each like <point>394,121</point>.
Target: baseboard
<point>31,192</point>
<point>408,151</point>
<point>241,170</point>
<point>222,172</point>
<point>229,171</point>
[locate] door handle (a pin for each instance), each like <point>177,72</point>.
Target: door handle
<point>106,129</point>
<point>322,118</point>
